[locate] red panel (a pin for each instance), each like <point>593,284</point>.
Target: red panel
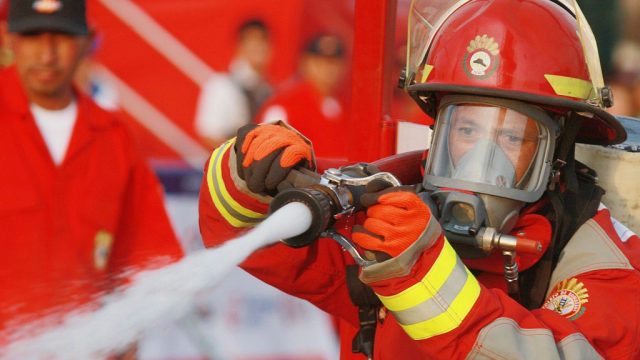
<point>207,29</point>
<point>148,73</point>
<point>150,146</point>
<point>373,59</point>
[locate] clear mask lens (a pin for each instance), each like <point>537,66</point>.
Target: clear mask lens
<point>489,149</point>
<point>491,145</point>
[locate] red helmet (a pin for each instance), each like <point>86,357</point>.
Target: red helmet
<point>525,50</point>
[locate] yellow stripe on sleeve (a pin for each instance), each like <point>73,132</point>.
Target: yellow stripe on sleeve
<point>452,317</point>
<point>220,196</point>
<point>430,284</point>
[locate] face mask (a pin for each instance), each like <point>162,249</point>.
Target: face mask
<point>463,214</point>
<point>472,171</point>
<point>486,163</point>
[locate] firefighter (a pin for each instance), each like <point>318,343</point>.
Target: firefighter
<point>504,249</point>
<point>79,205</point>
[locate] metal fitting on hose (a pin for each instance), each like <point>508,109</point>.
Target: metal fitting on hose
<point>321,210</point>
<point>329,197</point>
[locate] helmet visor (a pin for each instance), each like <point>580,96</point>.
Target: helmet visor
<point>425,18</point>
<point>488,148</point>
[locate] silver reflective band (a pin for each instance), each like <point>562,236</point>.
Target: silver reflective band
<point>505,339</point>
<point>440,301</point>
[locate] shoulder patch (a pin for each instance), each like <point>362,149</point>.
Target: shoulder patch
<point>568,299</point>
<point>590,248</point>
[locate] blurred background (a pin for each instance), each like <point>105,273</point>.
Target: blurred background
<point>152,63</point>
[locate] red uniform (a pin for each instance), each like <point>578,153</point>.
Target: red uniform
<point>321,119</point>
<point>442,310</point>
<point>68,229</point>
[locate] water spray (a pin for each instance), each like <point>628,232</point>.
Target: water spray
<point>162,294</point>
<point>299,216</point>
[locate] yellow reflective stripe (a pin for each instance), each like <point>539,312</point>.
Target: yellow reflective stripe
<point>428,289</point>
<point>426,71</point>
<point>428,286</point>
<point>223,189</point>
<point>568,86</point>
<point>224,198</point>
<point>452,317</point>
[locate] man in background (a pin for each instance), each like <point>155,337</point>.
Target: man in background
<point>229,101</point>
<point>312,103</point>
<point>79,207</point>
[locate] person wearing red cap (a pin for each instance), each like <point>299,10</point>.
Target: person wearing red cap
<point>79,205</point>
<point>312,103</point>
<point>502,248</point>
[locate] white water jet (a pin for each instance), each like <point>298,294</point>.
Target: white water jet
<point>162,294</point>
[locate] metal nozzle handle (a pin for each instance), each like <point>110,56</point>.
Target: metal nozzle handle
<point>348,246</point>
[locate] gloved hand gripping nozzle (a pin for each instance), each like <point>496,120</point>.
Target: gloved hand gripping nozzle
<point>330,197</point>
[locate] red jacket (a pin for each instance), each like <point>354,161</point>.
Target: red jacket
<point>441,310</point>
<point>67,230</point>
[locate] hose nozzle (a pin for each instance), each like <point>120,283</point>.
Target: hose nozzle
<point>333,196</point>
<point>321,211</point>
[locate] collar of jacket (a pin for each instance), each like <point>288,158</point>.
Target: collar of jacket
<point>15,100</point>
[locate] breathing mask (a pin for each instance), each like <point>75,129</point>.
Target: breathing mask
<point>489,157</point>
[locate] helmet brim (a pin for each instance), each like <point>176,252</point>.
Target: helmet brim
<point>601,128</point>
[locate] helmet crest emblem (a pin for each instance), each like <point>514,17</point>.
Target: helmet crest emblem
<point>481,59</point>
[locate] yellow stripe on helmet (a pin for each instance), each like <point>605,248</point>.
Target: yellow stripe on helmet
<point>568,86</point>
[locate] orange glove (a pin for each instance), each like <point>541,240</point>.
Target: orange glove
<point>396,217</point>
<point>267,153</point>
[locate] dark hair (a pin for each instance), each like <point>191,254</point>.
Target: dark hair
<point>250,24</point>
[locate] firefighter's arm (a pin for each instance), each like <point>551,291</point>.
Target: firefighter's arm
<point>243,174</point>
<point>440,304</point>
<point>240,178</point>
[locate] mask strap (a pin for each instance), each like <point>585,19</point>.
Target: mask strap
<point>564,219</point>
<point>567,150</point>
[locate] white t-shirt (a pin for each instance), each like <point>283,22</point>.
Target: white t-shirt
<point>222,108</point>
<point>56,127</point>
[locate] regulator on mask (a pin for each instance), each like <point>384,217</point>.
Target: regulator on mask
<point>489,158</point>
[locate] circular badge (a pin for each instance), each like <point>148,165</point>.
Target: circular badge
<point>564,302</point>
<point>481,59</point>
<point>479,62</point>
<point>568,299</point>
